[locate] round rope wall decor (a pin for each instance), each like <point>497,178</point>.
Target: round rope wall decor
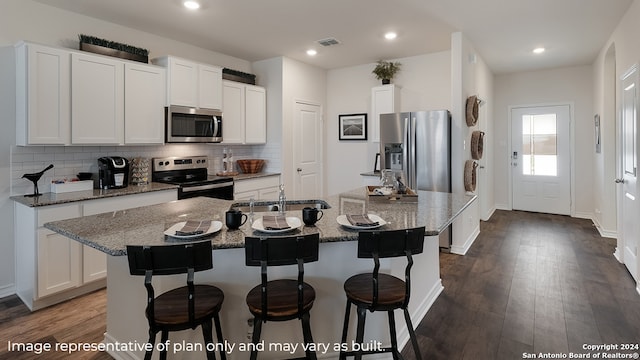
<point>470,175</point>
<point>472,110</point>
<point>477,145</point>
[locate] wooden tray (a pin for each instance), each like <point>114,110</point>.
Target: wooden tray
<point>410,196</point>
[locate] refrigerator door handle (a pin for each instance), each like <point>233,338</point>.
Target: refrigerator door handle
<point>411,159</point>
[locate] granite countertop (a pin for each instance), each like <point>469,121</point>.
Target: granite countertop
<point>111,232</point>
<point>242,176</point>
<point>54,199</point>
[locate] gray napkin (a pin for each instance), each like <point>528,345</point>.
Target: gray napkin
<point>194,227</point>
<point>275,222</point>
<point>361,220</point>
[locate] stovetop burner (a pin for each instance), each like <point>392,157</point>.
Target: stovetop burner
<point>184,171</point>
<point>191,174</point>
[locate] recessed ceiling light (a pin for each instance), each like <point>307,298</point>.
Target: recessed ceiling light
<point>390,35</point>
<point>191,5</point>
<point>311,52</point>
<point>539,50</point>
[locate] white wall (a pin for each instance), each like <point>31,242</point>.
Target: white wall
<point>627,52</point>
<point>425,84</point>
<point>563,85</point>
<point>471,76</point>
<point>32,21</point>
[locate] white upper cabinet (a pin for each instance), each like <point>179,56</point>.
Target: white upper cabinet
<point>209,87</point>
<point>145,97</point>
<point>192,84</point>
<point>244,109</point>
<point>43,97</point>
<point>97,100</point>
<point>67,97</point>
<point>255,115</point>
<point>385,99</point>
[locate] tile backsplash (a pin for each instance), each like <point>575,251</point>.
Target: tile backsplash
<point>70,160</point>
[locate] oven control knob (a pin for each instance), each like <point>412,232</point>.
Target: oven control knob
<point>166,163</point>
<point>204,160</point>
<point>160,163</point>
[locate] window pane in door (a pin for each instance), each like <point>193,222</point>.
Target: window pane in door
<point>539,145</point>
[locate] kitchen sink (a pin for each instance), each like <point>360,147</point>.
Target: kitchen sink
<point>291,205</point>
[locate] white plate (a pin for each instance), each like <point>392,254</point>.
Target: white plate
<point>342,220</point>
<point>294,222</point>
<point>215,227</point>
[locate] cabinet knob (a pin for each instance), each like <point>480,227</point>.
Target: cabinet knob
<point>299,169</point>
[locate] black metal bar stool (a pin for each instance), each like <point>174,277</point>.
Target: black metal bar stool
<point>382,292</point>
<point>281,299</point>
<point>183,308</point>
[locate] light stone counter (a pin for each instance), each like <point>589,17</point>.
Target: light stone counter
<point>126,322</point>
<point>112,232</point>
<point>50,198</point>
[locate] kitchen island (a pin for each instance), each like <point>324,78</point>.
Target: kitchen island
<point>126,323</point>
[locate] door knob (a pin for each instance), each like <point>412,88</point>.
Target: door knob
<point>619,181</point>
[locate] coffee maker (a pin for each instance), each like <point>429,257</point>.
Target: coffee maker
<point>113,172</point>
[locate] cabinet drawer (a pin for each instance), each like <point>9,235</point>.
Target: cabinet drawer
<point>256,183</point>
<point>58,212</point>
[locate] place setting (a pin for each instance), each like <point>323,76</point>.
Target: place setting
<point>274,224</point>
<point>192,229</point>
<point>361,221</point>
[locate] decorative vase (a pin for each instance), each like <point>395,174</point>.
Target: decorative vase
<point>386,81</point>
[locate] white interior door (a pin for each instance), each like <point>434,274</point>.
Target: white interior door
<point>307,156</point>
<point>541,159</point>
<point>629,165</point>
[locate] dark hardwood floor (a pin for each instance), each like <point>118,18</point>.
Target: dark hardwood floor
<point>531,283</point>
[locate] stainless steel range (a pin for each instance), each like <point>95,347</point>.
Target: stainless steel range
<point>191,174</point>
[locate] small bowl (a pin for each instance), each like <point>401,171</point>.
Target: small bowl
<point>84,176</point>
<point>250,166</point>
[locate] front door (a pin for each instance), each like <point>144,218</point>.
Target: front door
<point>629,167</point>
<point>541,159</point>
<point>307,155</point>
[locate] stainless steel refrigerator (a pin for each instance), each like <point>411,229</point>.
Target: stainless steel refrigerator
<point>419,144</point>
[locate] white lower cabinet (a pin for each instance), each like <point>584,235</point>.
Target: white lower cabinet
<point>50,267</point>
<point>262,188</point>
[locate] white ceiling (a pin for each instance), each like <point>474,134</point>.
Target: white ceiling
<point>503,31</point>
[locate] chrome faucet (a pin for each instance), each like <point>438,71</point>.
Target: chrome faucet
<point>282,200</point>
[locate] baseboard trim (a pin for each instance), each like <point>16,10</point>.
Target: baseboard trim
<point>462,250</point>
<point>616,254</point>
<point>489,214</point>
<point>604,232</point>
<point>7,290</point>
<point>420,312</point>
<point>118,355</point>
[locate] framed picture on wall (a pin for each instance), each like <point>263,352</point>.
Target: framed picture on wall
<point>352,127</point>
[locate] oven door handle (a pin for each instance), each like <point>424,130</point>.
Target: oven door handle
<point>207,186</point>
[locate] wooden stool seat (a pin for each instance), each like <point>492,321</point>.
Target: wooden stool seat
<point>377,291</point>
<point>172,309</point>
<point>183,308</point>
<point>282,303</point>
<point>281,299</point>
<point>391,293</point>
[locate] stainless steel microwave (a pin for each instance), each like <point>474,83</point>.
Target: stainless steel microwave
<point>192,125</point>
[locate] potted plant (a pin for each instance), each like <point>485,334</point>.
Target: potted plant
<point>385,70</point>
<point>112,48</point>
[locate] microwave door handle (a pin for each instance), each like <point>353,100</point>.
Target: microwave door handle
<point>215,126</point>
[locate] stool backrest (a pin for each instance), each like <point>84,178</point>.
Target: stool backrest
<point>278,251</point>
<point>387,244</point>
<point>169,260</point>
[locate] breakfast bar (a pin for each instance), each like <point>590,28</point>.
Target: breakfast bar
<point>126,322</point>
